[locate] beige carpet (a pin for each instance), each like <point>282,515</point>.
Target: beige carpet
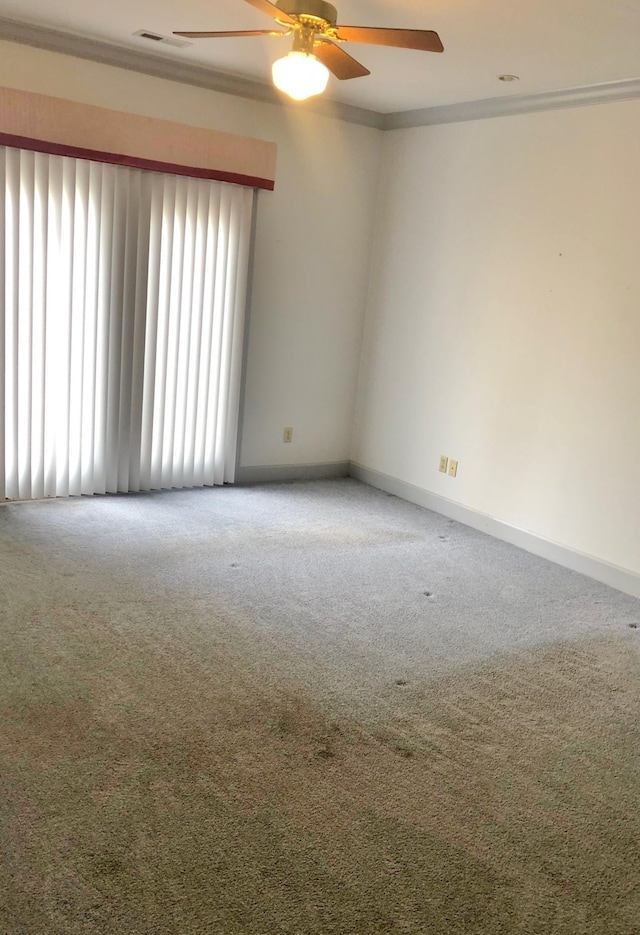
<point>173,760</point>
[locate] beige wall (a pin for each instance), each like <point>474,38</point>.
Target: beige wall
<point>504,323</point>
<point>312,245</point>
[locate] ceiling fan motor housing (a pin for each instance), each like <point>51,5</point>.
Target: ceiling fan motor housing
<point>314,9</point>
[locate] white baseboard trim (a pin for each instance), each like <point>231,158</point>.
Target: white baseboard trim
<point>620,578</point>
<point>272,473</point>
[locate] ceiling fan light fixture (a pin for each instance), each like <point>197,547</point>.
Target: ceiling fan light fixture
<point>300,75</point>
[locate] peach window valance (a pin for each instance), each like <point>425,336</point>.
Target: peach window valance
<point>67,128</point>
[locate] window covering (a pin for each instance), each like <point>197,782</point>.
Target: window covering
<point>121,327</point>
<point>56,126</point>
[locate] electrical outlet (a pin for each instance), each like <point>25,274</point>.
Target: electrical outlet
<point>287,435</point>
<point>453,468</point>
<point>444,461</point>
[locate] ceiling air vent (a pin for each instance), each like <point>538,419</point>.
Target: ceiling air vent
<point>164,40</point>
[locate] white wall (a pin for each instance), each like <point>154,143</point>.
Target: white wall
<point>312,246</point>
<point>503,325</point>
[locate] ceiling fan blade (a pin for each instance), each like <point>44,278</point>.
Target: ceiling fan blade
<point>271,10</point>
<point>339,62</point>
<point>425,40</point>
<point>222,35</point>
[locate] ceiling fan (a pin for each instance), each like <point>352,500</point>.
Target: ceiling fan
<point>313,24</point>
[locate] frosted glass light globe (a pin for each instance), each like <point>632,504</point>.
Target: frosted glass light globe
<point>300,75</point>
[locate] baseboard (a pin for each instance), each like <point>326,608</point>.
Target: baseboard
<point>270,473</point>
<point>620,578</point>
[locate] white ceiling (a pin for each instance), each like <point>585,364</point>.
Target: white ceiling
<point>550,44</point>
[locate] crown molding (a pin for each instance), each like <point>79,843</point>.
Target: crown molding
<point>107,53</point>
<point>626,90</point>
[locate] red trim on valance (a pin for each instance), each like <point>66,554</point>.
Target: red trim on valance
<point>133,162</point>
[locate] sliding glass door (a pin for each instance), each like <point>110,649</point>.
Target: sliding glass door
<point>122,298</point>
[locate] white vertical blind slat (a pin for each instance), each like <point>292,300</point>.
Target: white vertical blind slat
<point>40,220</point>
<point>121,323</point>
<point>10,407</point>
<point>225,345</point>
<point>241,270</point>
<point>118,240</point>
<point>128,313</point>
<point>156,481</point>
<point>188,315</point>
<point>197,296</point>
<point>213,472</point>
<point>151,336</point>
<point>88,311</point>
<point>53,336</point>
<point>25,324</point>
<point>139,329</point>
<point>77,384</point>
<point>171,374</point>
<point>203,414</point>
<point>64,358</point>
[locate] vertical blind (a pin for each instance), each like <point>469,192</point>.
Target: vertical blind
<point>121,327</point>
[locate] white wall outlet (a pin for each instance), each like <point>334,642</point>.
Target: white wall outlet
<point>444,461</point>
<point>287,435</point>
<point>453,468</point>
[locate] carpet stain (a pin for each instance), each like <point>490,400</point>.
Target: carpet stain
<point>309,734</point>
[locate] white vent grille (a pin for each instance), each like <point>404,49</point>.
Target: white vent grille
<point>162,40</point>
